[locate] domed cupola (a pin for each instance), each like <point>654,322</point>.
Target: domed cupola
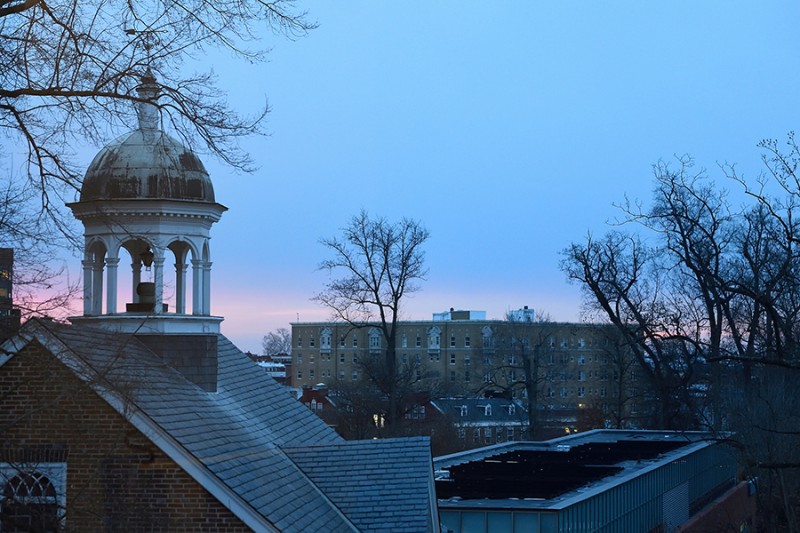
<point>149,195</point>
<point>147,163</point>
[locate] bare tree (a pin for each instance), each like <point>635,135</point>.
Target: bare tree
<point>708,299</point>
<point>380,264</point>
<point>68,74</point>
<point>277,342</point>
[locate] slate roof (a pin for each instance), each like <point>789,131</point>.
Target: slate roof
<point>362,476</point>
<point>240,434</point>
<point>476,413</point>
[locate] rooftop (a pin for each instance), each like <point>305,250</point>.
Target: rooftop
<point>555,473</point>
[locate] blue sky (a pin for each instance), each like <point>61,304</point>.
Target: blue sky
<point>507,128</point>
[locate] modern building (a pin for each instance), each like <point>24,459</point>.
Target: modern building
<point>580,374</point>
<point>146,417</point>
<point>597,481</point>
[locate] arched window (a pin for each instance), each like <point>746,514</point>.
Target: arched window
<point>29,502</point>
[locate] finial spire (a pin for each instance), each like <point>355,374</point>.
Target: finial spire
<point>147,112</point>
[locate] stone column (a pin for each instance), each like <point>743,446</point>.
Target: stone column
<point>158,278</point>
<point>111,285</point>
<point>97,287</point>
<point>88,286</point>
<point>197,287</point>
<point>180,287</point>
<point>207,288</point>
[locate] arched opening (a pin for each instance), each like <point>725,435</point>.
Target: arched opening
<point>29,503</point>
<point>137,292</point>
<point>179,284</point>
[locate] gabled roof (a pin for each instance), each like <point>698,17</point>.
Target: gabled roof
<point>231,441</point>
<point>474,412</point>
<point>361,477</point>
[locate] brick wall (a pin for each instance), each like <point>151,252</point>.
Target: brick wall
<point>117,480</point>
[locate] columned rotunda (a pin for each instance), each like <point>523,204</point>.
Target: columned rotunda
<point>147,203</point>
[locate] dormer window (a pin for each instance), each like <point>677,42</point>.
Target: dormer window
<point>487,410</point>
<point>512,408</point>
<point>463,410</point>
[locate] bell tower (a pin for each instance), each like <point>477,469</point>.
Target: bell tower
<point>147,200</point>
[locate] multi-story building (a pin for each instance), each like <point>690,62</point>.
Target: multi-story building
<point>574,375</point>
<point>9,316</point>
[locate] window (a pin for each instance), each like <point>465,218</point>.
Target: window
<point>299,374</point>
<point>487,377</point>
<point>476,434</point>
<point>564,392</point>
<point>466,376</point>
<point>311,359</point>
<point>487,359</point>
<point>374,339</point>
<point>32,497</point>
<point>434,338</point>
<point>311,341</point>
<point>311,374</point>
<point>462,433</point>
<point>299,341</point>
<point>341,341</point>
<point>581,392</point>
<point>467,359</point>
<point>487,410</point>
<point>419,341</point>
<point>512,375</point>
<point>581,376</point>
<point>581,360</point>
<point>341,374</point>
<point>355,341</point>
<point>512,359</point>
<point>404,341</point>
<point>466,341</point>
<point>452,341</point>
<point>405,358</point>
<point>551,392</point>
<point>452,375</point>
<point>341,357</point>
<point>487,336</point>
<point>510,434</point>
<point>354,375</point>
<point>452,359</point>
<point>487,435</point>
<point>511,409</point>
<point>325,339</point>
<point>463,410</point>
<point>581,343</point>
<point>564,343</point>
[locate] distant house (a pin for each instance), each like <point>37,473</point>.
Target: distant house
<point>482,421</point>
<point>274,365</point>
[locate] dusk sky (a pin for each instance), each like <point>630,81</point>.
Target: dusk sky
<point>509,129</point>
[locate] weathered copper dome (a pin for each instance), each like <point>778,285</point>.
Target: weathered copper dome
<point>147,163</point>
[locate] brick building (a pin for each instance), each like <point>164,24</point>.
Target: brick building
<point>9,316</point>
<point>579,374</point>
<point>149,419</point>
